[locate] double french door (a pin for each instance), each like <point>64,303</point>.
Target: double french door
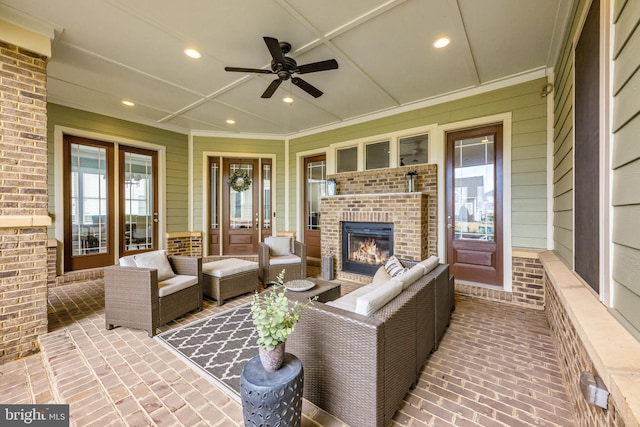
<point>90,209</point>
<point>240,205</point>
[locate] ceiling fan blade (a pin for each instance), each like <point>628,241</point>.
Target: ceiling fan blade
<point>274,48</point>
<point>248,70</point>
<point>307,87</point>
<point>272,88</point>
<point>330,64</point>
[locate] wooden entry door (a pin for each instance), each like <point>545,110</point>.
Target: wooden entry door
<point>241,207</point>
<point>315,174</point>
<point>474,204</point>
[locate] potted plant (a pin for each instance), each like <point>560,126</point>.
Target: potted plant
<point>274,318</point>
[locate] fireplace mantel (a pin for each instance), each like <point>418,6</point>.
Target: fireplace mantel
<point>407,211</point>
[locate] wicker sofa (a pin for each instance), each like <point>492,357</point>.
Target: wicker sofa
<point>359,368</point>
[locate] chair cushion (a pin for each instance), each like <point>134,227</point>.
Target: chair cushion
<point>394,267</point>
<point>411,275</point>
<point>279,245</point>
<point>157,260</point>
<point>286,259</point>
<point>127,261</point>
<point>228,266</point>
<point>175,284</point>
<point>430,263</point>
<point>377,298</point>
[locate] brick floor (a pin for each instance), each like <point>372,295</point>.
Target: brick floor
<point>496,366</point>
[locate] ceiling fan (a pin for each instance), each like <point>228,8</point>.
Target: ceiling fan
<point>284,67</point>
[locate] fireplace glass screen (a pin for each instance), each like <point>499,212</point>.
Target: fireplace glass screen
<point>366,246</point>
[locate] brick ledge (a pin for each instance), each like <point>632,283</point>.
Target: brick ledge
<point>615,353</point>
<point>24,221</point>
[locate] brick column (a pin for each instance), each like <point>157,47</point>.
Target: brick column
<point>23,201</point>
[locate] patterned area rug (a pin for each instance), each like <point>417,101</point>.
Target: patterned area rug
<point>219,345</point>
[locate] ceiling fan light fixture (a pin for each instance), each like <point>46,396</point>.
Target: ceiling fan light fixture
<point>192,53</point>
<point>441,42</point>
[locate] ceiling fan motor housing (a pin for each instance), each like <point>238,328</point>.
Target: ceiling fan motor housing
<point>285,70</point>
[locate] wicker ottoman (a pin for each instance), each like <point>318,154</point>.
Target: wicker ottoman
<point>228,278</point>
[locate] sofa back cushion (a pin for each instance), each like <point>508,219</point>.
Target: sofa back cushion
<point>376,299</point>
<point>430,263</point>
<point>279,245</point>
<point>411,275</point>
<point>157,260</point>
<point>127,261</point>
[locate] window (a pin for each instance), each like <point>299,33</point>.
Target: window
<point>377,155</point>
<point>347,159</point>
<point>413,150</point>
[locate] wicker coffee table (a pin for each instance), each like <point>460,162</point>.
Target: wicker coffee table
<point>325,291</point>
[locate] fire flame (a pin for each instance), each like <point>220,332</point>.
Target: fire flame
<point>368,253</point>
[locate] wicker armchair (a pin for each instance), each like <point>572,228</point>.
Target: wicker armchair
<point>281,253</point>
<point>135,298</point>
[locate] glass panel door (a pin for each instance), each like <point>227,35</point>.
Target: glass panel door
<point>138,200</point>
<point>267,210</point>
<point>474,188</point>
<point>241,207</point>
<point>88,206</point>
<point>214,210</point>
<point>316,185</point>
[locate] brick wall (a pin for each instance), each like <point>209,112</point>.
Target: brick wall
<point>23,201</point>
<point>574,360</point>
<point>393,181</point>
<point>189,244</point>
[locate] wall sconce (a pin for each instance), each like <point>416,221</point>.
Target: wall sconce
<point>594,390</point>
<point>411,181</point>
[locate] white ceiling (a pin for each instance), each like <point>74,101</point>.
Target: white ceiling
<point>105,51</point>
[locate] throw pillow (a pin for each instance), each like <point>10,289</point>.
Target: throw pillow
<point>380,278</point>
<point>394,267</point>
<point>279,245</point>
<point>373,301</point>
<point>157,260</point>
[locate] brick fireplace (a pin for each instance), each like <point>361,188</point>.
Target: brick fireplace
<point>407,212</point>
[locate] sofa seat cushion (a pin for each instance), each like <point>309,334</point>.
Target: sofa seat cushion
<point>175,284</point>
<point>377,298</point>
<point>285,259</point>
<point>228,266</point>
<point>157,260</point>
<point>348,301</point>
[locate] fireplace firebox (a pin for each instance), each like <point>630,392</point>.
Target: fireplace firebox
<point>366,246</point>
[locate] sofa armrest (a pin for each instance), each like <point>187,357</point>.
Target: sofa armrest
<point>189,266</point>
<point>300,249</point>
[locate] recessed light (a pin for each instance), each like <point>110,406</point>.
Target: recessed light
<point>128,103</point>
<point>192,53</point>
<point>230,121</point>
<point>441,42</point>
<point>288,99</point>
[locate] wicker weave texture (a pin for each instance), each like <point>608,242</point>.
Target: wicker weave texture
<point>269,274</point>
<point>360,368</point>
<point>233,285</point>
<point>131,295</point>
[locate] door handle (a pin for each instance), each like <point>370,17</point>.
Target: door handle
<point>449,225</point>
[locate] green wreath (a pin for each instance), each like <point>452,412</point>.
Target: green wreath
<point>240,180</point>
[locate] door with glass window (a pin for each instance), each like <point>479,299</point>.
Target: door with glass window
<point>474,204</point>
<point>241,213</point>
<point>138,200</point>
<point>88,203</point>
<point>315,178</point>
